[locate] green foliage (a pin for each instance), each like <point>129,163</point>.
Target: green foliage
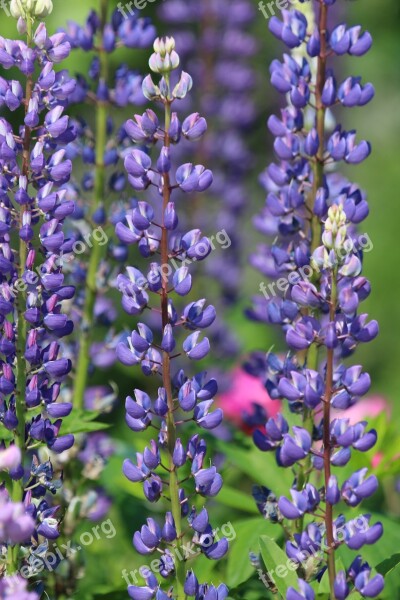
<point>83,421</point>
<point>233,498</point>
<point>276,561</point>
<point>386,566</point>
<point>239,567</point>
<point>260,467</point>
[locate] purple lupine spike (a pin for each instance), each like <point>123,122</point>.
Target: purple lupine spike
<point>33,321</point>
<point>155,347</point>
<point>310,216</point>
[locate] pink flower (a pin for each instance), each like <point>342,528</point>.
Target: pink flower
<point>364,409</point>
<point>377,459</point>
<point>241,399</point>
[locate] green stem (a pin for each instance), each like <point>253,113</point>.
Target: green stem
<point>17,488</point>
<point>166,374</point>
<point>327,442</point>
<point>83,362</point>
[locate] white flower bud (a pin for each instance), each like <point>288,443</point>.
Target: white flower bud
<point>17,10</point>
<point>335,232</point>
<point>43,8</point>
<point>30,8</point>
<point>164,59</point>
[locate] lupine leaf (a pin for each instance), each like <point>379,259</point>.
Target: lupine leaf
<point>274,558</point>
<point>388,564</point>
<point>239,567</point>
<point>237,499</point>
<point>82,421</point>
<point>257,464</point>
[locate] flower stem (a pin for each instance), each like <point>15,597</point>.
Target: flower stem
<point>316,228</point>
<point>321,111</point>
<point>166,375</point>
<point>96,254</point>
<point>327,442</point>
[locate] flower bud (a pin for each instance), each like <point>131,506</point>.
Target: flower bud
<point>335,232</point>
<point>164,59</point>
<point>150,90</point>
<point>43,8</point>
<point>31,8</point>
<point>21,26</point>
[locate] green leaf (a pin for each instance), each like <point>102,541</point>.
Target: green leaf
<point>259,466</point>
<point>82,421</point>
<point>239,567</point>
<point>5,434</point>
<point>323,587</point>
<point>237,499</point>
<point>389,564</point>
<point>277,562</point>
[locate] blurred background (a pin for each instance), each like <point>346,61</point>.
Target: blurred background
<point>379,122</point>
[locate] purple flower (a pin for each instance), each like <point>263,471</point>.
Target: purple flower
<point>292,31</point>
<point>15,587</point>
<point>208,482</point>
<point>370,587</point>
<point>358,487</point>
<point>305,501</point>
<point>294,448</point>
<point>16,525</point>
<point>305,592</point>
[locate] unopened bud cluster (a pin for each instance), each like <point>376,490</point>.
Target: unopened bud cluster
<point>335,231</point>
<point>31,8</point>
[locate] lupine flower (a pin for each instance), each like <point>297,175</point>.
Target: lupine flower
<point>34,167</point>
<point>316,258</point>
<point>156,348</point>
<point>16,587</point>
<point>305,592</point>
<point>16,526</point>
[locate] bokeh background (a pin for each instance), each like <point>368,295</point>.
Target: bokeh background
<point>379,122</point>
